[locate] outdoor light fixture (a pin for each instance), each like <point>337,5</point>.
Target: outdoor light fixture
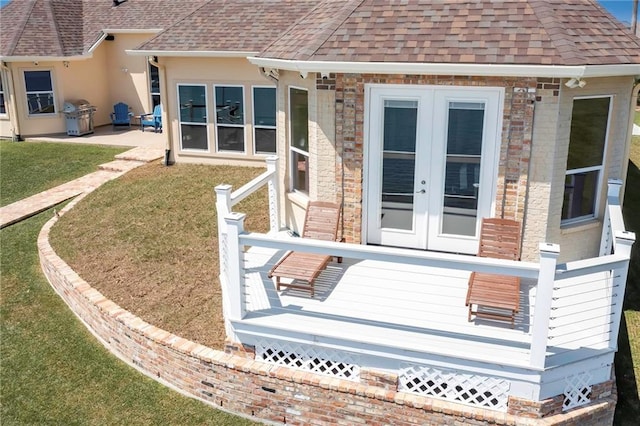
<point>575,82</point>
<point>66,64</point>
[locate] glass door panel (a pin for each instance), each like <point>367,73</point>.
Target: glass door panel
<point>398,163</point>
<point>462,168</point>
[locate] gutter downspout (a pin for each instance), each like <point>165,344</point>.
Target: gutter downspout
<point>165,123</point>
<point>13,107</point>
<point>635,92</point>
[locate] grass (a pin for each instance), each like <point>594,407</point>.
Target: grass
<point>32,167</point>
<point>54,371</point>
<point>628,356</point>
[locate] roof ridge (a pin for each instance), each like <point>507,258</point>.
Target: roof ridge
<point>18,34</point>
<point>555,30</point>
<point>339,19</point>
<point>315,44</point>
<point>54,22</point>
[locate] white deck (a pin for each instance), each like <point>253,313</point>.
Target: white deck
<point>415,308</point>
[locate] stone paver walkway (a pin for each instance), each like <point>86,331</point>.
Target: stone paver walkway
<point>124,162</point>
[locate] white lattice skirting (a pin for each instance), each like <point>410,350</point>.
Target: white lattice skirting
<point>339,364</point>
<point>577,390</point>
<point>471,389</point>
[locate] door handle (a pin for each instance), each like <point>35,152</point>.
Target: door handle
<point>422,191</point>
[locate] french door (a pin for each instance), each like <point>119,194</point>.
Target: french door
<point>431,165</point>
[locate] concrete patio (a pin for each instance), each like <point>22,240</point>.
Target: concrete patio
<point>107,135</point>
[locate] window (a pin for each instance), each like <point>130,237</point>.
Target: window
<point>585,162</point>
<point>230,118</point>
<point>154,85</point>
<point>264,120</point>
<point>3,108</point>
<point>39,88</point>
<point>299,142</point>
<point>192,101</point>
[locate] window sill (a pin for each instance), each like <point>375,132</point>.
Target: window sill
<point>579,226</point>
<point>298,199</point>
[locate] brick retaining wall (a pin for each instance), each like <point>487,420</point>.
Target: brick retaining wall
<point>235,382</point>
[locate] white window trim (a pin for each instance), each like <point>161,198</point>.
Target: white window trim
<point>243,125</point>
<point>53,92</point>
<point>600,168</point>
<point>3,90</point>
<point>261,126</point>
<point>206,123</point>
<point>151,93</point>
<point>293,149</point>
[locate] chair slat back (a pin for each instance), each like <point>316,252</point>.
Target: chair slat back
<point>321,221</point>
<point>500,239</point>
<point>121,111</point>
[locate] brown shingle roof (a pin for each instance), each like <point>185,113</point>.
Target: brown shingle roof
<point>536,32</point>
<point>71,27</point>
<point>240,25</point>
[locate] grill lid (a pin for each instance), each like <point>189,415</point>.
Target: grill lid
<point>80,104</point>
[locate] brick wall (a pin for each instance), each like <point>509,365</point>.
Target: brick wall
<point>235,382</point>
<point>515,146</point>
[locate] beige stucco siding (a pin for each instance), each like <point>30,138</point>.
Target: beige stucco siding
<point>107,77</point>
<point>582,240</point>
<point>211,72</point>
<point>322,148</point>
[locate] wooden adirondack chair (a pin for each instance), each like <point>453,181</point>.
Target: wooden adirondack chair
<point>321,223</point>
<point>496,297</point>
<point>121,115</point>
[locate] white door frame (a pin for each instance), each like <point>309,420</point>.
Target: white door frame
<point>432,134</point>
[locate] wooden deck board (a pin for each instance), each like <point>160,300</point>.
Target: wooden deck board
<point>417,308</point>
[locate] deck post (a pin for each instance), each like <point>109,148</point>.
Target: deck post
<point>542,312</point>
<point>223,208</point>
<point>274,199</point>
<point>614,187</point>
<point>234,269</point>
<point>624,242</point>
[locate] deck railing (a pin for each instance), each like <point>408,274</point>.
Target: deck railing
<point>555,329</point>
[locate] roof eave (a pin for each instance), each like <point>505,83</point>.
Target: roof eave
<point>489,70</point>
<point>44,58</point>
<point>192,53</point>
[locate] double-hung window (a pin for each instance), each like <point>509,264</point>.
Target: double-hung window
<point>3,108</point>
<point>154,85</point>
<point>39,88</point>
<point>585,162</point>
<point>264,119</point>
<point>299,139</point>
<point>230,118</point>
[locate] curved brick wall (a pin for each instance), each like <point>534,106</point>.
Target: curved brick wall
<point>237,383</point>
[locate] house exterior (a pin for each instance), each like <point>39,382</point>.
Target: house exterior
<point>68,50</point>
<point>420,118</point>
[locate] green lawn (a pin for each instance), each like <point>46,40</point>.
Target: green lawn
<point>628,356</point>
<point>31,167</point>
<point>53,370</point>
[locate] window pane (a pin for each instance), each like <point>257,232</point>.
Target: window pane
<point>265,140</point>
<point>588,132</point>
<point>41,103</point>
<point>230,138</point>
<point>193,105</point>
<point>580,191</point>
<point>400,124</point>
<point>194,136</point>
<point>154,79</point>
<point>3,109</point>
<point>38,81</point>
<point>229,105</point>
<point>464,134</point>
<point>300,172</point>
<point>299,119</point>
<point>156,100</point>
<point>264,106</point>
